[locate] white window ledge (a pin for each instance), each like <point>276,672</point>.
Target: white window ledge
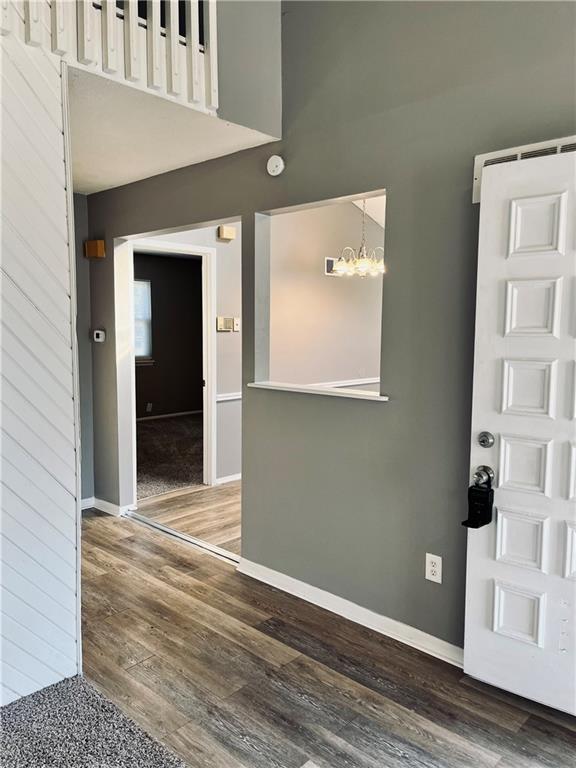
<point>354,394</point>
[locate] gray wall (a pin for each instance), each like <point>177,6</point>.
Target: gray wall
<point>376,95</point>
<point>322,328</point>
<point>83,325</point>
<point>250,64</point>
<point>228,345</point>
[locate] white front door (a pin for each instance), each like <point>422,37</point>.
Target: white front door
<point>520,632</point>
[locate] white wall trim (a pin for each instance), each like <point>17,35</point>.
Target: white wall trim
<point>347,382</point>
<point>88,503</point>
<point>351,394</point>
<point>227,479</point>
<point>404,633</point>
<point>167,415</point>
<point>112,509</point>
<point>126,403</point>
<point>228,396</point>
<point>67,139</point>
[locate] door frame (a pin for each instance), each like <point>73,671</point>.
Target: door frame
<point>125,364</point>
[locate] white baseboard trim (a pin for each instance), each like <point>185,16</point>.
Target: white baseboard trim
<point>88,503</point>
<point>111,509</point>
<point>228,479</point>
<point>167,415</point>
<point>349,610</point>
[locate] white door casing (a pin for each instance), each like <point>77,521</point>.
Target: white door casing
<point>124,280</point>
<point>520,628</point>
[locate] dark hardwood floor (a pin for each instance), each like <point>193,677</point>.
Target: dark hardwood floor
<point>233,674</point>
<point>208,513</point>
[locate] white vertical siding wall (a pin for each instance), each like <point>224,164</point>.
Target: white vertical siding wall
<point>38,612</point>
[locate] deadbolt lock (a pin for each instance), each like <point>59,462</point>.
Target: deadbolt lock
<point>486,439</point>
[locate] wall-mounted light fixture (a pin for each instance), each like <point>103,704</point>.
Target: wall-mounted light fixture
<point>94,249</point>
<point>226,233</point>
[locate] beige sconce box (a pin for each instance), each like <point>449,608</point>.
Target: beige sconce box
<point>227,324</point>
<point>94,249</point>
<point>226,232</point>
<point>224,324</point>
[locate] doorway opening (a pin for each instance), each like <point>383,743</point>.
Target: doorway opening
<point>179,299</point>
<point>169,372</point>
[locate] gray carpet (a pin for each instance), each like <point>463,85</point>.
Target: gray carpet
<point>169,454</point>
<point>71,725</point>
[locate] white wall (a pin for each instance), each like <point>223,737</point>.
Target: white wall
<point>39,615</point>
<point>322,329</point>
<point>228,345</point>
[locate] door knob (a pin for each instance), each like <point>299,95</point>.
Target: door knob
<point>483,476</point>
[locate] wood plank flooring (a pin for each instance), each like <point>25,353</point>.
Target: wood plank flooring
<point>208,513</point>
<point>231,673</point>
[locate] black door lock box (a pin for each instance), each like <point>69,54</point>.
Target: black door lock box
<point>480,503</point>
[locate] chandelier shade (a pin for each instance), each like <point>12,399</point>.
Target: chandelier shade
<point>363,261</point>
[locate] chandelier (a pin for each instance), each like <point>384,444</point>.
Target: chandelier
<point>362,262</point>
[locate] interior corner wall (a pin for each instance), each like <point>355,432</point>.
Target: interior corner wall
<point>83,327</point>
<point>107,480</point>
<point>322,328</point>
<point>399,96</point>
<point>250,64</point>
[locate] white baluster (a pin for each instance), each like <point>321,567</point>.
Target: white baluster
<point>131,47</point>
<point>59,27</point>
<point>33,21</point>
<point>110,61</point>
<point>193,50</point>
<point>212,51</point>
<point>153,40</point>
<point>5,17</point>
<point>86,32</point>
<point>173,72</point>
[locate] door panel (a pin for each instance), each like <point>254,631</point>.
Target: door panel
<point>521,586</point>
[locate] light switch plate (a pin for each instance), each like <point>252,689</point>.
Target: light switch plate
<point>236,324</point>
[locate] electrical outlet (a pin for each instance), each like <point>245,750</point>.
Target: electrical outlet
<point>148,407</point>
<point>434,568</point>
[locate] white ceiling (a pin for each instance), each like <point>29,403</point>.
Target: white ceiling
<point>120,134</point>
<point>375,208</point>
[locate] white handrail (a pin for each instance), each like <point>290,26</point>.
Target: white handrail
<point>86,31</point>
<point>110,58</point>
<point>5,17</point>
<point>131,47</point>
<point>192,49</point>
<point>33,21</point>
<point>212,47</point>
<point>153,40</point>
<point>173,71</point>
<point>116,43</point>
<point>58,30</point>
